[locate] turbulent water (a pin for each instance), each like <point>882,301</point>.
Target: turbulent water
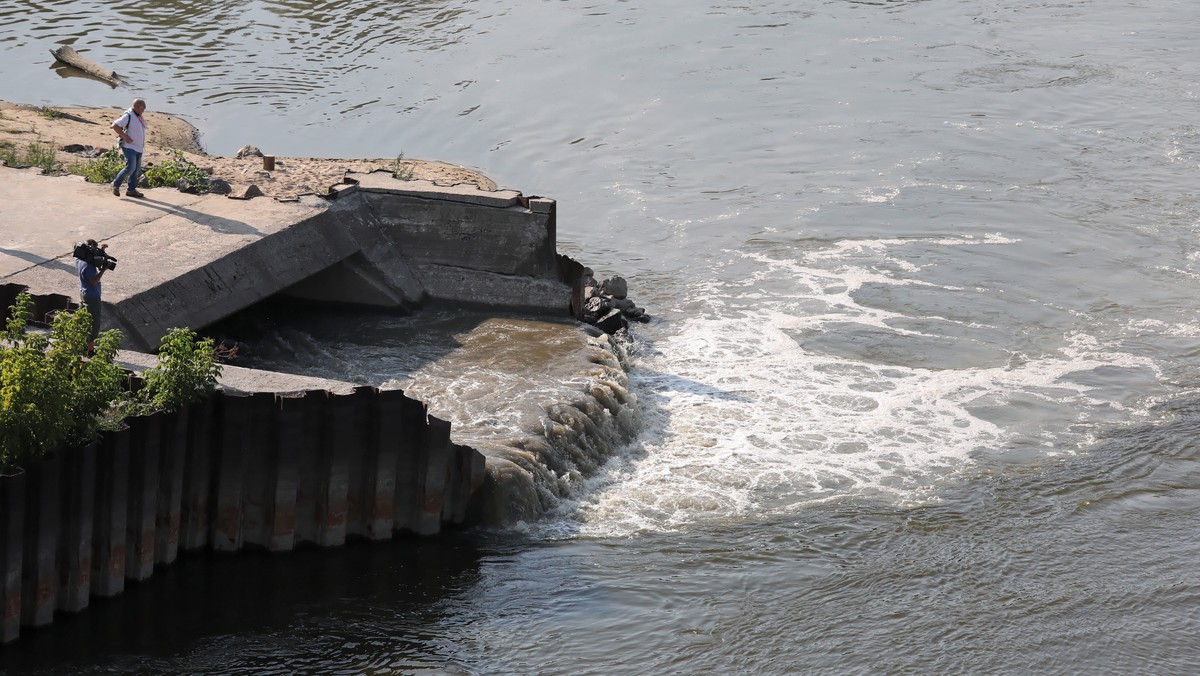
<point>921,392</point>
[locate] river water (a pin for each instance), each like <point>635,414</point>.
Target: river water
<point>921,391</point>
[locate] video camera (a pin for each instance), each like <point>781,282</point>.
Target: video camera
<point>90,253</point>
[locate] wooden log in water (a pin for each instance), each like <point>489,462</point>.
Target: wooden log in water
<point>72,58</point>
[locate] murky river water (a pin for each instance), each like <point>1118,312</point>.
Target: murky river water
<point>921,395</point>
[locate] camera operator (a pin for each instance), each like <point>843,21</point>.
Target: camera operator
<point>89,289</point>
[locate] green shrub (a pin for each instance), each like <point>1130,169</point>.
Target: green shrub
<point>50,395</point>
<point>31,401</point>
<point>50,113</point>
<point>186,373</point>
<point>401,170</point>
<point>99,385</point>
<point>102,169</point>
<point>170,171</point>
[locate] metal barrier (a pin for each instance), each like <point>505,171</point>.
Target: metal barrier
<point>236,471</point>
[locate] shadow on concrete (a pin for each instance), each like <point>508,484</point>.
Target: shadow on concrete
<point>53,263</point>
<point>226,226</point>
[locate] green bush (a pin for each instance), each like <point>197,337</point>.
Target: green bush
<point>170,171</point>
<point>102,169</point>
<point>49,394</point>
<point>99,384</point>
<point>186,373</point>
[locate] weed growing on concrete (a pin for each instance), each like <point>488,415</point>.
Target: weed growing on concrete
<point>41,154</point>
<point>401,170</point>
<point>102,169</point>
<point>170,171</point>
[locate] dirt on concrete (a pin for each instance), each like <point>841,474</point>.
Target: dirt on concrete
<point>22,125</point>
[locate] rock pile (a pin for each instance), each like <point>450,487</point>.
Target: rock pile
<point>607,306</point>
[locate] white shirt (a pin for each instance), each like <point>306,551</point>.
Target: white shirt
<point>136,130</point>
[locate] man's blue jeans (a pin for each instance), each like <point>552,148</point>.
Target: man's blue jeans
<point>133,168</point>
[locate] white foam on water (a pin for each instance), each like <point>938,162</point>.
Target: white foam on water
<point>743,420</point>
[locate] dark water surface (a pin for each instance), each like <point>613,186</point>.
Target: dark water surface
<point>921,394</point>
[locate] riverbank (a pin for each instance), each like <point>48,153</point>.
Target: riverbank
<point>84,128</point>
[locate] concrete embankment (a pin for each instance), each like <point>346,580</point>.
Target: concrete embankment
<point>189,260</point>
<point>269,464</point>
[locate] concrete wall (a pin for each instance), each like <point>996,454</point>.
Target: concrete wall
<point>382,243</point>
<point>237,279</point>
<point>240,470</point>
<point>500,235</point>
<point>421,242</point>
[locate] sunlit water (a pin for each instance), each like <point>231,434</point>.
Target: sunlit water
<point>920,394</point>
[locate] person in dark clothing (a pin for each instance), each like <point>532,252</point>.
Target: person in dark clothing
<point>89,292</point>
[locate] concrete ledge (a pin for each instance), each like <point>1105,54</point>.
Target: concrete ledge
<point>479,288</point>
<point>235,379</point>
<point>382,182</point>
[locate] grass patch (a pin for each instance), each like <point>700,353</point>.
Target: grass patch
<point>38,154</point>
<point>41,154</point>
<point>101,169</point>
<point>8,153</point>
<point>166,173</point>
<point>50,113</point>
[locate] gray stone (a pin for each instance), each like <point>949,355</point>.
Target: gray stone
<point>248,151</point>
<point>595,307</point>
<point>612,322</point>
<point>616,287</point>
<point>219,186</point>
<point>246,192</point>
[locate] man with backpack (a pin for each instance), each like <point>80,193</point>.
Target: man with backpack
<point>131,128</point>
